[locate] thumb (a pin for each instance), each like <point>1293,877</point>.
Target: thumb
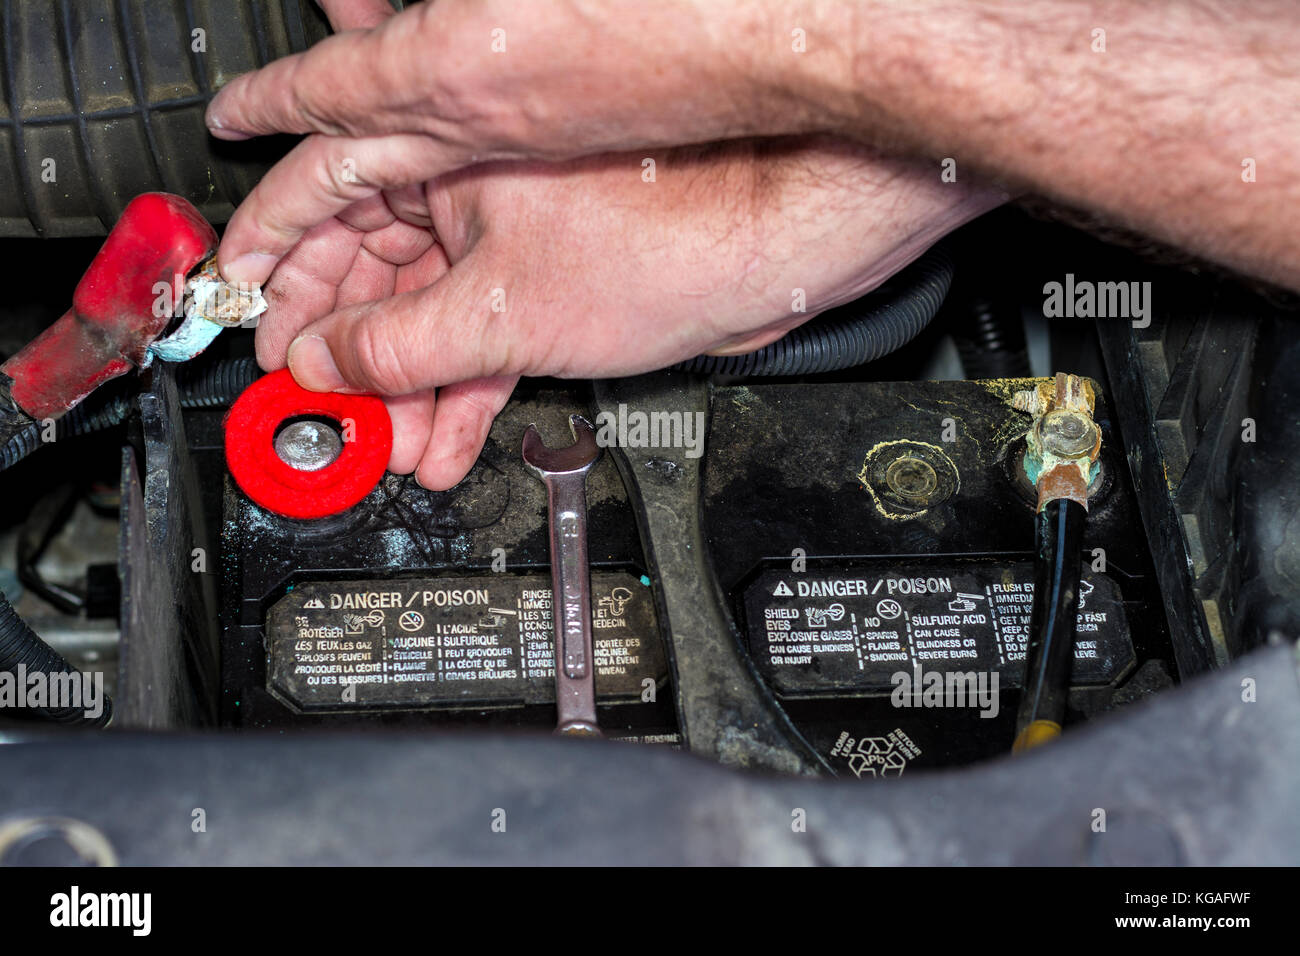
<point>451,331</point>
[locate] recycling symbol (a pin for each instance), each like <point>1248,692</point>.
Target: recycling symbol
<point>877,757</point>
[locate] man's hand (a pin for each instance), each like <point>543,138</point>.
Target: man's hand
<point>448,84</point>
<point>1175,119</point>
<point>588,268</point>
<point>439,293</point>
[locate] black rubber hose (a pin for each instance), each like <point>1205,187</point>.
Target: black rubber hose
<point>218,384</point>
<point>80,420</point>
<point>851,335</point>
<point>213,386</point>
<point>1057,567</point>
<point>22,652</point>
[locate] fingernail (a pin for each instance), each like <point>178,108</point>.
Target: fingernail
<point>218,128</point>
<point>252,267</point>
<point>312,364</point>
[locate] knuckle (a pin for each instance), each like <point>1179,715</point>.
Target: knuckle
<point>534,348</point>
<point>494,345</point>
<point>271,228</point>
<point>254,225</point>
<point>507,341</point>
<point>304,92</point>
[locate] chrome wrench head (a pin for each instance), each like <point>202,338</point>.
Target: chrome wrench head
<point>564,472</point>
<point>578,458</point>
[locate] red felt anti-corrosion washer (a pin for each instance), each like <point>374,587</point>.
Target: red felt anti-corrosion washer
<point>251,428</point>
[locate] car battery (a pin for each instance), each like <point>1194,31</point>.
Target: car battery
<point>873,540</point>
<point>418,607</point>
<point>876,543</point>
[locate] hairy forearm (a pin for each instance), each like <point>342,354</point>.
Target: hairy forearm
<point>1179,122</point>
<point>1160,124</point>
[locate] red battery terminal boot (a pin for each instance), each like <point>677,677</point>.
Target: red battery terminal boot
<point>115,316</point>
<point>306,454</point>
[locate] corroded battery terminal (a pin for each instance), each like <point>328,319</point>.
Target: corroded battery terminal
<point>1063,443</point>
<point>211,304</point>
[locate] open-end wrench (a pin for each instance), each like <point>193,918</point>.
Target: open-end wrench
<point>564,472</point>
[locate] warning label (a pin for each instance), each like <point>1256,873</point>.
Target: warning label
<point>417,644</point>
<point>820,633</point>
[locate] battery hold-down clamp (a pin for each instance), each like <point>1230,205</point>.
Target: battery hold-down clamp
<point>304,454</point>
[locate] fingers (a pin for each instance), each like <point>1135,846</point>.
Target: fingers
<point>424,271</point>
<point>410,205</point>
<point>461,423</point>
<point>320,178</point>
<point>399,243</point>
<point>419,70</point>
<point>302,93</point>
<point>445,333</point>
<point>439,436</point>
<point>412,417</point>
<point>305,288</point>
<point>336,265</point>
<point>368,215</point>
<point>371,279</point>
<point>528,79</point>
<point>356,14</point>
